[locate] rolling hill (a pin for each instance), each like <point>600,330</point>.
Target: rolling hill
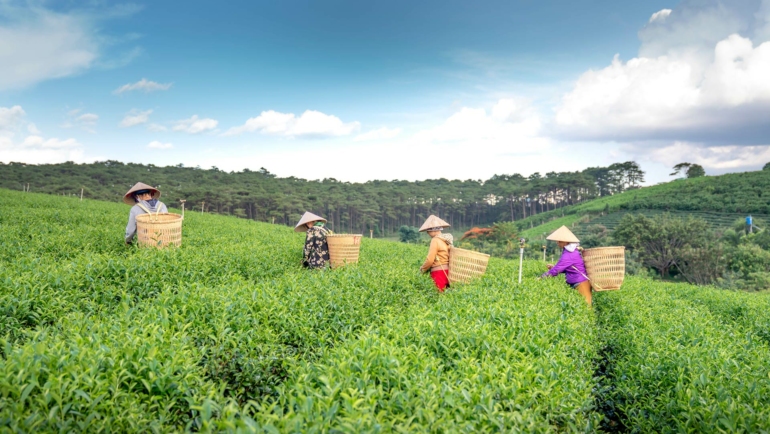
<point>720,200</point>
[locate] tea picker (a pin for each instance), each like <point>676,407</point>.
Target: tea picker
<point>315,254</point>
<point>144,199</point>
<point>570,263</point>
<point>437,260</point>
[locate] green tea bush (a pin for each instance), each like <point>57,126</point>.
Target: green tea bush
<point>676,366</point>
<point>229,333</point>
<point>485,358</point>
<point>224,331</point>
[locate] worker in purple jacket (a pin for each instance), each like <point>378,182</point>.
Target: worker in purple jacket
<point>570,263</point>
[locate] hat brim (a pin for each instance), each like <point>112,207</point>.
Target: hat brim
<point>563,234</point>
<point>433,222</point>
<point>128,198</point>
<point>306,218</point>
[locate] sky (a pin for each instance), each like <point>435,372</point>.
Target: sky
<point>388,90</point>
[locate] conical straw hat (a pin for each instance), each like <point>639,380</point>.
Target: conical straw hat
<point>307,218</point>
<point>433,222</point>
<point>128,198</point>
<point>563,234</point>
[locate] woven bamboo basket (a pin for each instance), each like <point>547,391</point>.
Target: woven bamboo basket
<point>606,267</point>
<point>343,249</point>
<point>159,230</point>
<point>465,265</point>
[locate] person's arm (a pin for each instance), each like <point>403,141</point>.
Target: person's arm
<point>431,255</point>
<point>560,267</point>
<point>131,227</point>
<point>163,207</point>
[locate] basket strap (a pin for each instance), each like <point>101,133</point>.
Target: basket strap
<point>589,279</point>
<point>144,208</point>
<point>449,250</point>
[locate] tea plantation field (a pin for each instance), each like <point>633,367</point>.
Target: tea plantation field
<point>229,333</point>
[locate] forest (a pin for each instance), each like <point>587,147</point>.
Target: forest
<point>378,206</point>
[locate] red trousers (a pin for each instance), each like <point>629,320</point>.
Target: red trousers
<point>440,279</point>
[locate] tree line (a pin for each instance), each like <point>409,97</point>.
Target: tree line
<point>380,206</point>
<point>691,250</point>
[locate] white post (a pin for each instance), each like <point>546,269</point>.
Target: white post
<point>521,257</point>
<point>81,194</point>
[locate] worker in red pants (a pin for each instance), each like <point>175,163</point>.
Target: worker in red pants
<point>438,254</point>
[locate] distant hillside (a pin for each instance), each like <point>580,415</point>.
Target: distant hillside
<point>719,199</point>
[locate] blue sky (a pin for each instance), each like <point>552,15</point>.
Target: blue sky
<point>388,90</point>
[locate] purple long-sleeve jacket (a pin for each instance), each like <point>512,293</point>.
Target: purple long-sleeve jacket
<point>566,262</point>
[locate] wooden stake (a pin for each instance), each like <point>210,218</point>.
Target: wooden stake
<point>203,204</point>
<point>81,194</point>
<point>183,201</point>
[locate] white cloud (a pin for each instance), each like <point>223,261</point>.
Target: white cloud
<point>34,148</point>
<point>739,75</point>
<point>660,15</point>
<point>699,78</point>
<point>156,128</point>
<point>715,159</point>
<point>54,143</point>
<point>195,125</point>
<point>10,117</point>
<point>87,119</point>
<point>471,142</point>
<point>310,124</point>
<point>510,127</point>
<point>143,85</point>
<point>38,44</point>
<point>378,134</point>
<point>135,117</point>
<point>159,145</point>
<point>32,128</point>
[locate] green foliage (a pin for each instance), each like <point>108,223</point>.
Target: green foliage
<point>378,206</point>
<point>597,235</point>
<point>408,234</point>
<point>749,265</point>
<point>664,242</point>
<point>695,171</point>
<point>691,170</point>
<point>714,198</point>
<point>503,232</point>
<point>229,333</point>
<point>680,358</point>
<point>634,265</point>
<point>500,240</point>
